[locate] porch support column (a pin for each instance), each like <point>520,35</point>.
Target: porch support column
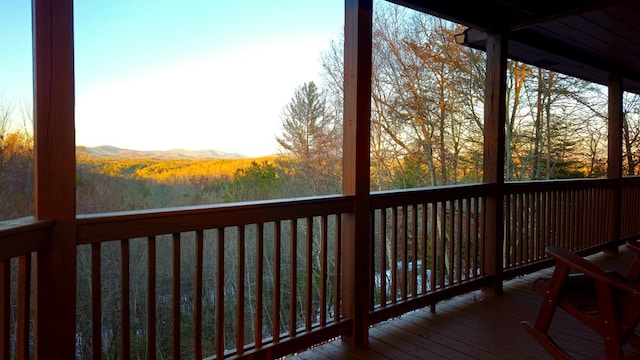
<point>356,162</point>
<point>614,154</point>
<point>494,152</point>
<point>55,294</point>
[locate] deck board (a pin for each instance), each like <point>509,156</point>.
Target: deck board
<point>477,325</point>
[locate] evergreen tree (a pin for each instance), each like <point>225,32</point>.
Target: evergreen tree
<point>311,138</point>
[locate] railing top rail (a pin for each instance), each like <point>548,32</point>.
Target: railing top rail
<point>631,180</point>
<point>24,236</point>
<point>512,187</point>
<point>388,198</point>
<point>132,224</point>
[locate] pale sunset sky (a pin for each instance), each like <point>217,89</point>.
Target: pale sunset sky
<point>194,74</point>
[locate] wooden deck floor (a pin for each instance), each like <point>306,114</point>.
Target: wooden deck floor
<point>477,325</point>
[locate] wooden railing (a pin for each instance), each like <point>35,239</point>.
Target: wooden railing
<point>574,214</point>
<point>630,212</point>
<point>427,246</point>
<point>229,280</point>
<point>264,278</point>
<point>19,241</point>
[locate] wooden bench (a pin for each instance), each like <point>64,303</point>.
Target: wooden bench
<point>607,302</point>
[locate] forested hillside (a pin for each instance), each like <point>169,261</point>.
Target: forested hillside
<point>426,130</point>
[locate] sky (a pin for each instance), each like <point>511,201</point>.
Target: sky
<point>195,74</point>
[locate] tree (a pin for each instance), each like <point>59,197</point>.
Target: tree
<point>425,98</point>
<point>631,134</point>
<point>311,138</point>
<point>259,181</point>
<point>16,165</point>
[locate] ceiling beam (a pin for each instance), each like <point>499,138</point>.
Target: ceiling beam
<point>504,15</point>
<point>565,50</point>
<point>488,17</point>
<point>528,13</point>
<point>556,50</point>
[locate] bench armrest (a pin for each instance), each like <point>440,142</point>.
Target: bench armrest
<point>588,268</point>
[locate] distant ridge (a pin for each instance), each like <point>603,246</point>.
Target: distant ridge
<point>107,151</point>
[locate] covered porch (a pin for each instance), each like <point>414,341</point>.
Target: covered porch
<point>358,258</point>
<point>478,325</point>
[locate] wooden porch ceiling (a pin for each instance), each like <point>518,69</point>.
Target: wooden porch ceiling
<point>588,39</point>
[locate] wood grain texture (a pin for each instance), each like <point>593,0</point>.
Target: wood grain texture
<point>55,170</point>
<point>494,152</point>
<point>356,161</point>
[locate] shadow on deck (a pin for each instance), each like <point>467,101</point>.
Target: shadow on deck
<point>478,325</point>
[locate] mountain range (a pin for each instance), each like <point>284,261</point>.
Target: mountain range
<point>107,151</point>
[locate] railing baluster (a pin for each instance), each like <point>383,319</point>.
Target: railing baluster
<point>443,240</point>
<point>309,275</point>
<point>519,231</point>
<point>587,204</point>
<point>197,295</point>
<point>573,213</point>
<point>546,223</point>
<point>459,239</point>
<point>526,224</point>
<point>277,264</point>
<point>555,210</point>
<point>522,218</point>
<point>578,242</point>
<point>96,301</point>
<point>220,294</point>
<point>125,304</point>
<point>570,219</point>
<point>565,221</point>
<point>240,292</point>
<point>508,230</point>
<point>475,236</point>
<point>383,257</point>
<point>151,299</point>
<point>515,227</point>
<point>540,225</point>
<point>596,214</point>
<point>24,306</point>
<point>605,199</point>
<point>338,269</point>
<point>590,210</point>
<point>434,246</point>
<point>405,253</point>
<point>293,277</point>
<point>424,248</point>
<point>5,308</point>
<point>578,239</point>
<point>175,296</point>
<point>394,255</point>
<point>553,213</point>
<point>452,240</point>
<point>259,284</point>
<point>483,226</point>
<point>467,225</point>
<point>414,250</point>
<point>323,269</point>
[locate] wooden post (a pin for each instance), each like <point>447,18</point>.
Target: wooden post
<point>55,314</point>
<point>494,152</point>
<point>614,155</point>
<point>357,115</point>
